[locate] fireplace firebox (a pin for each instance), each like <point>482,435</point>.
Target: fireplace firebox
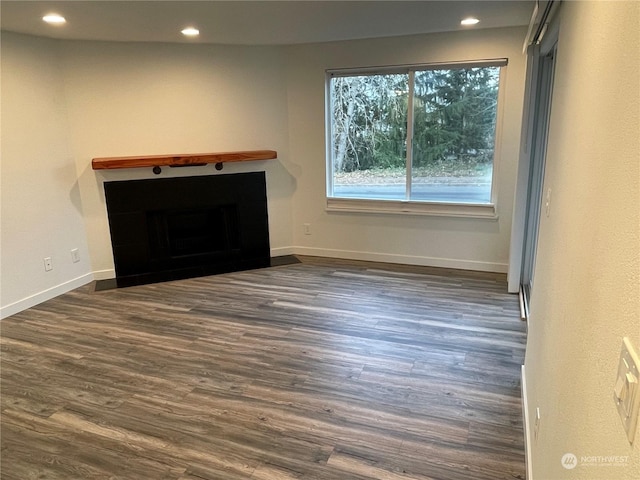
<point>175,228</point>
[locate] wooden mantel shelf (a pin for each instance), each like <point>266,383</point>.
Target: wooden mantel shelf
<point>185,160</point>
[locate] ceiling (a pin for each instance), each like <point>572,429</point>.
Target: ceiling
<point>255,22</point>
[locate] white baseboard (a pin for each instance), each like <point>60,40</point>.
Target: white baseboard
<point>526,425</point>
<point>48,294</point>
<point>282,251</point>
<point>53,292</point>
<point>403,259</point>
<point>107,274</point>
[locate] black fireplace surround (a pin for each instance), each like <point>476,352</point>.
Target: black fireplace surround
<point>175,228</point>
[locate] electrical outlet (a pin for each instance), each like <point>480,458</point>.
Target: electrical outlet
<point>306,227</point>
<point>48,266</point>
<point>75,255</point>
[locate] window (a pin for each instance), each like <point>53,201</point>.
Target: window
<point>416,135</point>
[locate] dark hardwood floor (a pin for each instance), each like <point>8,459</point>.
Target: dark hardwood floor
<point>326,369</point>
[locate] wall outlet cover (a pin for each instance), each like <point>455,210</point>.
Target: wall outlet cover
<point>626,392</point>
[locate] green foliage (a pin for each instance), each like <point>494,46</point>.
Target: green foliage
<point>454,118</point>
<point>370,121</point>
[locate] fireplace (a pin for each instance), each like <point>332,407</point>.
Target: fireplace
<point>175,228</point>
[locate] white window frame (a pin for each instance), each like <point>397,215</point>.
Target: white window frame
<point>411,207</point>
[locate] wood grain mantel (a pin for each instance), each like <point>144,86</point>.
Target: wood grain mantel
<point>181,160</point>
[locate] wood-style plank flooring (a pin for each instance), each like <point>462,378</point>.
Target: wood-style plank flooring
<point>327,370</point>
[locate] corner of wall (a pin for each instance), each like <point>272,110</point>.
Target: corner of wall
<point>526,424</point>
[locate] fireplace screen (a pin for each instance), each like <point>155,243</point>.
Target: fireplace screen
<point>165,229</point>
<point>194,232</point>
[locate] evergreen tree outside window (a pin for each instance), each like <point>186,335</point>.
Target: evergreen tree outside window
<point>414,134</point>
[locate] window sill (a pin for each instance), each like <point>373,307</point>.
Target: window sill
<point>464,210</point>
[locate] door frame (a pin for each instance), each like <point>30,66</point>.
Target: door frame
<point>529,183</point>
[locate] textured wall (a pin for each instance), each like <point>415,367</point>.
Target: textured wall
<point>40,205</point>
<point>110,99</point>
<point>145,99</point>
<point>587,289</point>
<point>478,244</point>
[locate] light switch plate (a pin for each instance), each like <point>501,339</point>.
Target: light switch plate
<point>626,392</point>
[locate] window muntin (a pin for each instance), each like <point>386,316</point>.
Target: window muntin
<point>418,134</point>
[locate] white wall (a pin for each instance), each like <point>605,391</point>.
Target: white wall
<point>586,296</point>
<point>41,209</point>
<point>478,244</point>
<point>144,99</point>
<point>100,99</point>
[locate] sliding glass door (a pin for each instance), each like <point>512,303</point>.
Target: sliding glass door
<point>536,196</point>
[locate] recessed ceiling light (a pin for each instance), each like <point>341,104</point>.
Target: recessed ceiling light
<point>469,21</point>
<point>191,32</point>
<point>54,19</point>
